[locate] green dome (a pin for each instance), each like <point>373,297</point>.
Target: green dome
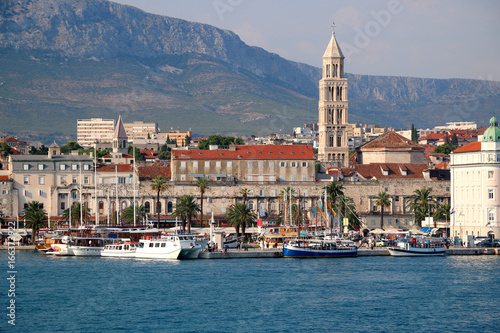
<point>492,134</point>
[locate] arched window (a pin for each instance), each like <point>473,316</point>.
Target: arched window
<point>169,207</point>
<point>124,205</point>
<point>101,205</point>
<point>147,207</point>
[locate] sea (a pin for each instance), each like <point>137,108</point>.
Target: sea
<point>363,294</point>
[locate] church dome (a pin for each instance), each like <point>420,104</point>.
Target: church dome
<point>492,133</point>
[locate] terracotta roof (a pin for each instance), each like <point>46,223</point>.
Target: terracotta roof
<point>391,140</point>
<point>111,168</point>
<point>443,166</point>
<point>290,152</point>
<point>14,151</point>
<point>149,153</point>
<point>433,136</point>
<point>155,169</point>
<point>473,146</point>
<point>4,178</point>
<point>414,170</point>
<point>12,139</point>
<point>123,156</point>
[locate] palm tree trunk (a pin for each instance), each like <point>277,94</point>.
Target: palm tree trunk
<point>382,218</point>
<point>183,223</point>
<point>158,206</point>
<point>189,224</point>
<point>243,226</point>
<point>201,210</point>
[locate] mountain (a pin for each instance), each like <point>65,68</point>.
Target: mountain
<point>74,59</point>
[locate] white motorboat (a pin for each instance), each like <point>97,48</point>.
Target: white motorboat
<point>120,250</point>
<point>413,247</point>
<point>89,246</point>
<point>190,248</point>
<point>317,248</point>
<point>158,248</point>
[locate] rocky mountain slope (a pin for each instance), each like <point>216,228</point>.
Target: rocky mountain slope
<point>72,59</point>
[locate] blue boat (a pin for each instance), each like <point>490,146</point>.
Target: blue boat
<point>318,249</point>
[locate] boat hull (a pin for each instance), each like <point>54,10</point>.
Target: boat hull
<point>118,254</point>
<point>416,252</point>
<point>290,251</point>
<point>190,253</point>
<point>174,254</point>
<point>85,251</point>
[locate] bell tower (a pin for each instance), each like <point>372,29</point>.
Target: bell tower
<point>120,139</point>
<point>333,106</point>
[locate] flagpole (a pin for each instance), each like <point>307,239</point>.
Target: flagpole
<point>81,190</point>
<point>96,222</point>
<point>117,203</point>
<point>133,179</point>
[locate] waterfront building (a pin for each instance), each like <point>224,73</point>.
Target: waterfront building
<point>475,182</point>
<point>333,108</point>
<point>140,130</point>
<point>260,163</point>
<point>94,130</point>
<point>6,197</point>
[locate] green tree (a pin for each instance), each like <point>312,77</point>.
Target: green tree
<point>383,200</point>
<point>454,140</point>
<point>187,140</point>
<point>75,213</point>
<point>40,151</point>
<point>244,193</point>
<point>239,141</point>
<point>35,218</point>
<point>422,203</point>
<point>4,149</point>
<point>240,215</point>
<point>333,192</point>
<point>187,208</point>
<point>348,209</point>
<point>202,184</point>
<point>128,213</point>
<point>414,134</point>
<point>158,184</point>
<point>442,213</point>
<point>138,155</point>
<point>71,145</point>
<point>218,140</point>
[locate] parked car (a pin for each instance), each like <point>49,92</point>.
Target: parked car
<point>489,243</point>
<point>380,243</point>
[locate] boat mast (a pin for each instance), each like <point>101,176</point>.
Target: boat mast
<point>95,187</point>
<point>81,190</point>
<point>133,179</point>
<point>117,203</point>
<point>298,217</point>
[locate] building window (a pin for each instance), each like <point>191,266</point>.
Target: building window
<point>5,192</point>
<point>294,178</point>
<point>217,164</point>
<point>293,164</point>
<point>62,167</point>
<point>250,165</point>
<point>304,178</point>
<point>86,167</point>
<point>491,194</point>
<point>147,207</point>
<point>207,164</point>
<point>305,164</point>
<point>490,174</point>
<point>86,180</point>
<point>223,210</point>
<point>183,177</point>
<point>229,164</point>
<point>63,205</point>
<point>491,216</point>
<point>40,166</point>
<point>74,166</point>
<point>74,180</point>
<point>41,180</point>
<point>261,193</point>
<point>250,178</point>
<point>63,180</point>
<point>183,164</point>
<point>209,200</point>
<point>26,166</point>
<point>195,164</point>
<point>261,164</point>
<point>26,179</point>
<point>282,164</point>
<point>273,193</point>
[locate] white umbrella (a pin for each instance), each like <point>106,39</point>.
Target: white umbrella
<point>378,232</point>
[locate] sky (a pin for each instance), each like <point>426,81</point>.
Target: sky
<point>420,38</point>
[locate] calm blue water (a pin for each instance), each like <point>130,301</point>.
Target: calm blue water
<point>364,294</point>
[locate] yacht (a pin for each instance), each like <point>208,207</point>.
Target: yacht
<point>190,248</point>
<point>158,248</point>
<point>120,250</point>
<point>418,246</point>
<point>318,248</point>
<point>89,246</point>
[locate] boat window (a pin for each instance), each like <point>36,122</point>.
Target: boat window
<point>157,245</point>
<point>150,244</point>
<point>163,244</point>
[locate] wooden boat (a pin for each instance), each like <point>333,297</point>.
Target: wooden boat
<point>413,247</point>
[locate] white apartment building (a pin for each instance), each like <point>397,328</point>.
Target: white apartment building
<point>475,182</point>
<point>140,130</point>
<point>96,129</point>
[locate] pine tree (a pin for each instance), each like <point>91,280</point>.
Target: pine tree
<point>414,134</point>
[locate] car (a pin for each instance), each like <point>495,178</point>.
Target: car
<point>380,243</point>
<point>489,243</point>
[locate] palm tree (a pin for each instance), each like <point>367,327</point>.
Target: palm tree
<point>128,213</point>
<point>35,217</point>
<point>442,213</point>
<point>288,195</point>
<point>203,184</point>
<point>334,191</point>
<point>422,204</point>
<point>75,212</point>
<point>244,192</point>
<point>347,205</point>
<point>159,184</point>
<point>383,200</point>
<point>187,208</point>
<point>240,215</point>
<point>179,212</point>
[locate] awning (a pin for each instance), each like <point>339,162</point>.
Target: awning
<point>427,230</point>
<point>219,175</point>
<point>197,175</point>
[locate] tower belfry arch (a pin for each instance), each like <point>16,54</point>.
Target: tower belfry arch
<point>333,107</point>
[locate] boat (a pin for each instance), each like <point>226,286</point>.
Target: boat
<point>410,247</point>
<point>317,248</point>
<point>89,246</point>
<point>230,242</point>
<point>158,248</point>
<point>190,248</point>
<point>120,250</point>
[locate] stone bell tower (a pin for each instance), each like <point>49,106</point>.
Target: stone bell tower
<point>333,106</point>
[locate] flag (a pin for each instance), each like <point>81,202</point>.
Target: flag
<point>330,206</point>
<point>487,224</point>
<point>452,211</point>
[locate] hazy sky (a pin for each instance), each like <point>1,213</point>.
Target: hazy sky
<point>422,38</point>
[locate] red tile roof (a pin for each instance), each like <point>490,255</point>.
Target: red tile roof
<point>123,156</point>
<point>291,152</point>
<point>111,168</point>
<point>414,170</point>
<point>4,178</point>
<point>433,136</point>
<point>155,169</point>
<point>473,146</point>
<point>391,140</point>
<point>443,166</point>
